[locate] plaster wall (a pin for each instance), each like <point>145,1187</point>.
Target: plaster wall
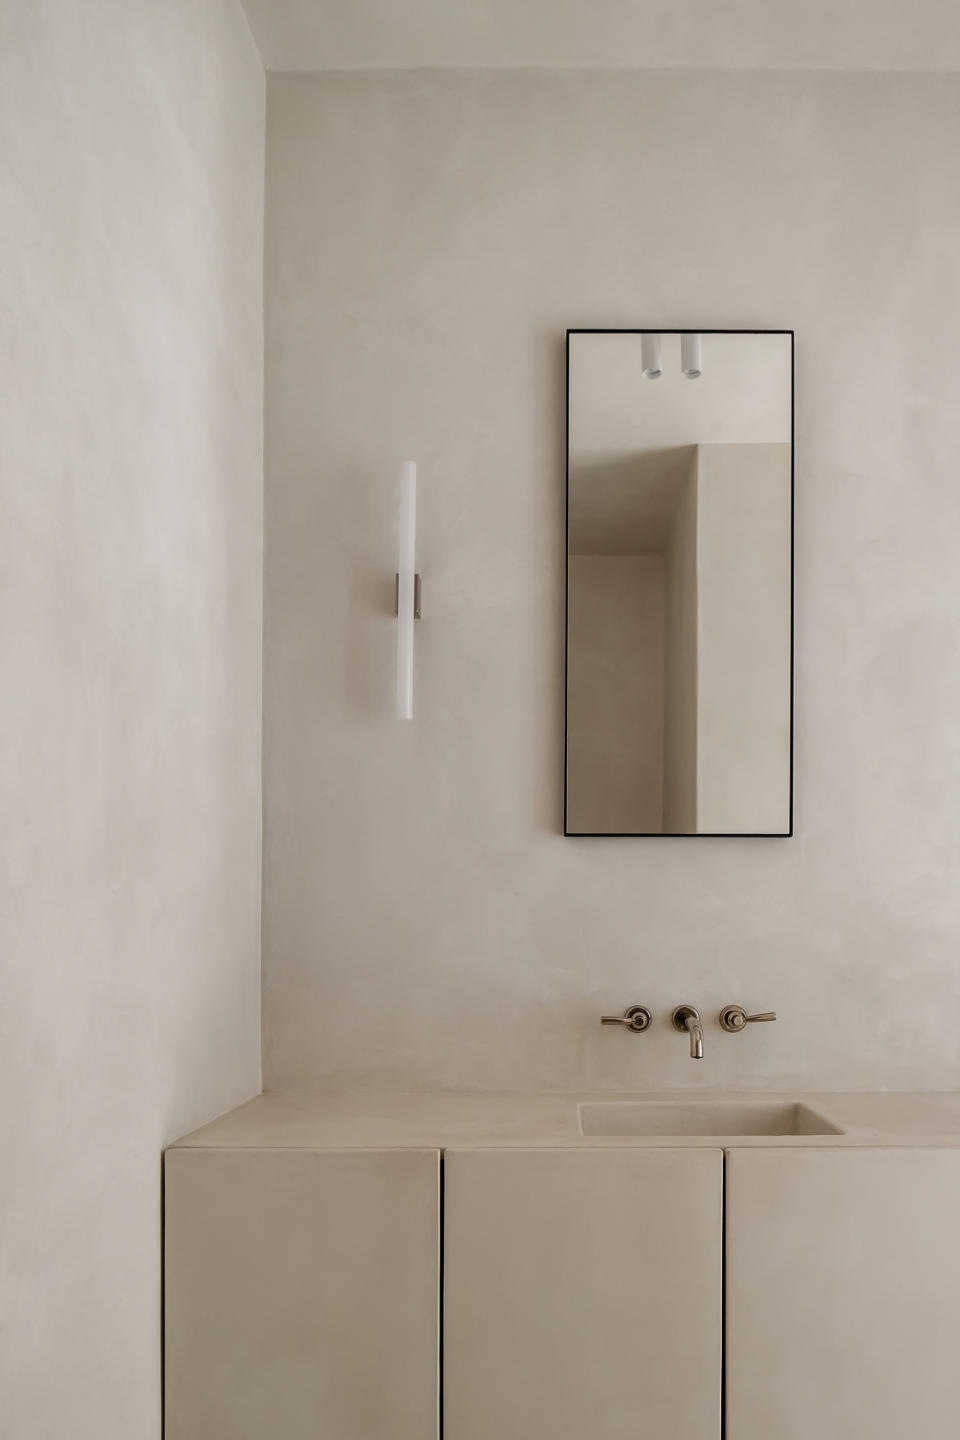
<point>743,627</point>
<point>615,701</point>
<point>681,663</point>
<point>131,217</point>
<point>430,236</point>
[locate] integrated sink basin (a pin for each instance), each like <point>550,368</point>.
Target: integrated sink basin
<point>702,1117</point>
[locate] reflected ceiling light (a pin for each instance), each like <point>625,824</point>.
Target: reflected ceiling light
<point>651,355</point>
<point>691,355</point>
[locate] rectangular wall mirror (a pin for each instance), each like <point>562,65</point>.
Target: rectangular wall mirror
<point>679,656</point>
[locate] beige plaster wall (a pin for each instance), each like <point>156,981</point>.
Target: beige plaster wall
<point>681,594</point>
<point>130,621</point>
<point>429,238</point>
<point>615,709</point>
<point>743,605</point>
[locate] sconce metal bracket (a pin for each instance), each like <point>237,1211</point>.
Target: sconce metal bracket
<point>416,595</point>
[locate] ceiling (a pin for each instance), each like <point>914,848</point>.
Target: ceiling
<point>617,34</point>
<point>742,398</point>
<point>633,440</point>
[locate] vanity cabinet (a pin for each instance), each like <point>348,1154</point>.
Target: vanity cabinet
<point>843,1294</point>
<point>592,1292</point>
<point>302,1294</point>
<point>582,1294</point>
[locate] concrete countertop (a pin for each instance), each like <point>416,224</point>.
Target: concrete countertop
<point>302,1120</point>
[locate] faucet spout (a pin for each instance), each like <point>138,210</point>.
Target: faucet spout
<point>687,1018</point>
<point>695,1030</point>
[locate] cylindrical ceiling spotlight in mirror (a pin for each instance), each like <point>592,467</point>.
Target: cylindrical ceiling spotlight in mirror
<point>651,354</point>
<point>406,588</point>
<point>691,355</point>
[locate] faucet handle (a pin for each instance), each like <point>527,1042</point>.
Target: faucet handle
<point>733,1018</point>
<point>636,1018</point>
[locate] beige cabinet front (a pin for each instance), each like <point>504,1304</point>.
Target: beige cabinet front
<point>583,1294</point>
<point>843,1294</point>
<point>302,1295</point>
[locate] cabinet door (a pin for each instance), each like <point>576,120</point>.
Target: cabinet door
<point>582,1294</point>
<point>302,1295</point>
<point>843,1294</point>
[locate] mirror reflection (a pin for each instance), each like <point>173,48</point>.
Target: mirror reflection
<point>679,583</point>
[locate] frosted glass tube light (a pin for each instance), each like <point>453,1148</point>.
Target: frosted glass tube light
<point>406,572</point>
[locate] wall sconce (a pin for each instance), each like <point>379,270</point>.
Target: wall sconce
<point>407,589</point>
<point>691,355</point>
<point>651,355</point>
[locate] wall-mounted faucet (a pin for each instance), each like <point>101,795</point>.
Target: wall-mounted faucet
<point>687,1018</point>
